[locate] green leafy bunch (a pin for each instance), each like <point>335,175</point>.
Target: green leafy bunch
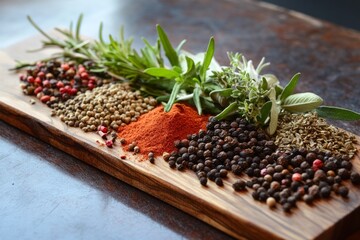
<point>261,99</point>
<point>198,79</point>
<point>186,79</point>
<point>189,73</point>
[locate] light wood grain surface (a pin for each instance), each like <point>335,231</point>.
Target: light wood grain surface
<point>234,213</point>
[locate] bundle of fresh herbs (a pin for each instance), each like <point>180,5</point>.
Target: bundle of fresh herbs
<point>198,79</point>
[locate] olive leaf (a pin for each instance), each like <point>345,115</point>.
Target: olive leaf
<point>302,102</point>
<point>290,87</point>
<point>191,69</point>
<point>265,112</point>
<point>221,96</point>
<point>229,110</point>
<point>274,112</point>
<point>264,84</point>
<point>174,93</point>
<point>162,72</point>
<point>207,59</point>
<point>271,79</point>
<point>196,98</point>
<point>168,48</point>
<point>337,113</point>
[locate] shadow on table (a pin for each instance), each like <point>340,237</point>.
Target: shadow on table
<point>172,218</point>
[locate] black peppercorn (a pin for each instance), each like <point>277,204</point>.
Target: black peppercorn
<point>263,196</point>
<point>291,200</point>
<point>325,192</point>
<point>346,164</point>
<point>172,164</point>
<point>344,173</point>
<point>343,191</point>
<point>355,178</point>
<point>308,198</point>
<point>310,157</point>
<point>287,207</point>
<point>203,181</point>
<point>337,179</point>
<point>277,176</point>
<point>219,181</point>
<point>239,185</point>
<point>223,173</point>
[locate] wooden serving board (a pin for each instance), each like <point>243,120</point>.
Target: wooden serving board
<point>234,213</point>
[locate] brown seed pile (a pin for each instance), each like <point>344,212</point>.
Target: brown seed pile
<point>110,106</point>
<point>311,132</point>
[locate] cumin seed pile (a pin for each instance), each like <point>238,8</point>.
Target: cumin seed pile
<point>312,132</point>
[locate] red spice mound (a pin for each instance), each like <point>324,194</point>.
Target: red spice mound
<point>157,130</point>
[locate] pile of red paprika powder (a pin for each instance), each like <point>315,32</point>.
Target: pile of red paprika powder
<point>157,130</point>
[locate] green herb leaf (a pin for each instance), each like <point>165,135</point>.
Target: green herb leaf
<point>264,84</point>
<point>337,113</point>
<point>229,110</point>
<point>290,87</point>
<point>196,98</point>
<point>207,59</point>
<point>271,79</point>
<point>221,96</point>
<point>78,26</point>
<point>274,112</point>
<point>162,72</point>
<point>101,39</point>
<point>168,48</point>
<point>190,68</point>
<point>181,44</point>
<point>173,95</point>
<point>265,112</point>
<point>42,32</point>
<point>278,90</point>
<point>302,102</point>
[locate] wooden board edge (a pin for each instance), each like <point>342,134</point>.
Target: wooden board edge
<point>105,162</point>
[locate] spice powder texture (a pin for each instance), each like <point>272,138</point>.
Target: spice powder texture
<point>157,130</point>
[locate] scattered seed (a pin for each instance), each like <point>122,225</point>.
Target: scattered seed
<point>271,202</point>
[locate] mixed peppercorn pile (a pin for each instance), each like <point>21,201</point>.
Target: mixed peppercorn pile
<point>275,176</point>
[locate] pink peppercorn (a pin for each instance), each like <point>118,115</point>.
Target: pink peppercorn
<point>63,90</point>
<point>37,81</point>
<point>81,69</point>
<point>296,177</point>
<point>59,84</point>
<point>30,79</point>
<point>102,134</point>
<point>46,83</point>
<point>45,98</point>
<point>84,75</point>
<point>41,74</point>
<point>109,143</point>
<point>22,77</point>
<point>90,86</point>
<point>73,91</point>
<point>103,129</point>
<point>37,90</point>
<point>65,66</point>
<point>263,172</point>
<point>317,164</point>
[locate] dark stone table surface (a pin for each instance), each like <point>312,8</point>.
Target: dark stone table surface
<point>47,194</point>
